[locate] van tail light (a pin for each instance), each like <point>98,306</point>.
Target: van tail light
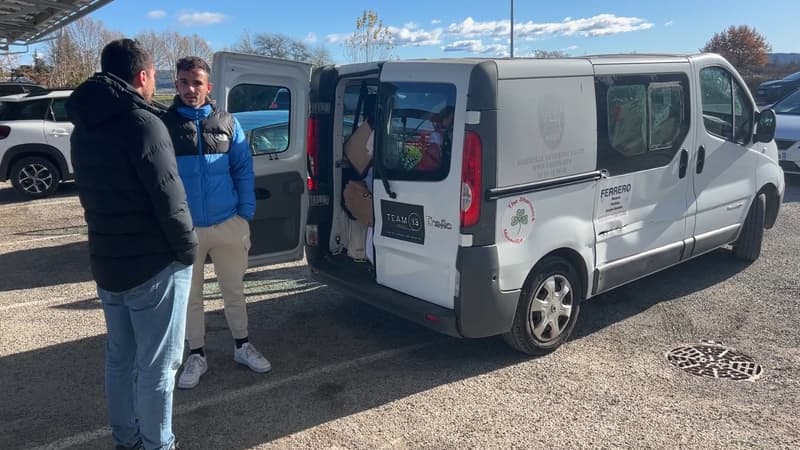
<point>471,180</point>
<point>4,131</point>
<point>312,148</point>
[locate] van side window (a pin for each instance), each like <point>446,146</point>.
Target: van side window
<point>642,120</point>
<point>727,111</point>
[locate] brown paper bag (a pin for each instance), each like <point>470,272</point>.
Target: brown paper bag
<point>358,200</point>
<point>357,150</point>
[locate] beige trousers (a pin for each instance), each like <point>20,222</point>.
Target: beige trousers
<point>227,243</point>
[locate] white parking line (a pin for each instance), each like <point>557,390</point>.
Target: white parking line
<point>82,439</point>
<point>47,238</point>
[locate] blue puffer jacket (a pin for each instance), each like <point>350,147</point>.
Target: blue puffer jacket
<point>219,181</point>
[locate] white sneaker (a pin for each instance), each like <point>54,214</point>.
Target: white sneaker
<point>250,357</point>
<point>194,368</point>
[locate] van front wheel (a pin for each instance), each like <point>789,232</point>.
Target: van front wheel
<point>548,308</point>
<point>748,246</point>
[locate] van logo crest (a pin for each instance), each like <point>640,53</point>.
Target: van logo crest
<point>551,121</point>
<point>518,218</point>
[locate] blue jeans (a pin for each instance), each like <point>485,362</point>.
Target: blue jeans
<point>144,348</point>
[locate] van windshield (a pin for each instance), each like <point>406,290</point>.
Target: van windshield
<point>416,136</point>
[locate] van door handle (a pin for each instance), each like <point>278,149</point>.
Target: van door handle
<point>683,164</point>
<point>59,132</point>
<point>701,159</point>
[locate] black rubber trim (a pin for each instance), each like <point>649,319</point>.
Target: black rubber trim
<point>483,309</point>
<point>526,188</point>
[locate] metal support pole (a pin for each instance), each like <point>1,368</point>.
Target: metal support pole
<point>512,28</point>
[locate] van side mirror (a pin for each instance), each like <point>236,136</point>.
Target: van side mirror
<point>765,130</point>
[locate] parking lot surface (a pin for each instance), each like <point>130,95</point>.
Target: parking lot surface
<point>346,375</point>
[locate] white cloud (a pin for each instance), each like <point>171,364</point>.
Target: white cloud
<point>669,24</point>
<point>200,18</point>
<point>599,25</point>
<point>470,28</point>
<point>157,14</point>
<point>413,36</point>
<point>336,38</point>
<point>310,38</point>
<point>476,46</point>
<point>435,22</point>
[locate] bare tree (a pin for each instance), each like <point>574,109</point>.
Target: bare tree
<point>155,45</point>
<point>175,48</point>
<point>74,54</point>
<point>8,63</point>
<point>320,56</point>
<point>548,54</point>
<point>245,44</point>
<point>281,46</point>
<point>371,40</point>
<point>198,46</point>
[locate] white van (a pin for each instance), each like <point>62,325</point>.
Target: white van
<point>559,179</point>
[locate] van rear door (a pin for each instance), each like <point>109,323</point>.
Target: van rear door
<point>246,85</point>
<point>417,183</point>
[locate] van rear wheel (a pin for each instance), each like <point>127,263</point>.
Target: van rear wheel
<point>548,308</point>
<point>748,246</point>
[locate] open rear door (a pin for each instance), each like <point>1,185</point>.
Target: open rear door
<point>255,89</point>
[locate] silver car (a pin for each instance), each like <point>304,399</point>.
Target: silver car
<point>787,132</point>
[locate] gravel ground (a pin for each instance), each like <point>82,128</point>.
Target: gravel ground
<point>349,376</point>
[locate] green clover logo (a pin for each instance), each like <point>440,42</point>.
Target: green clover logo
<point>520,219</point>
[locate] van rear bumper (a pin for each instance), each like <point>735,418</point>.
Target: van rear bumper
<point>366,290</point>
<point>483,309</point>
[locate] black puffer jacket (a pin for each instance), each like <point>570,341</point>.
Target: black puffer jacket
<point>128,183</point>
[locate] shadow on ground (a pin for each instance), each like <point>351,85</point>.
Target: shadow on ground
<point>332,357</point>
<point>9,196</point>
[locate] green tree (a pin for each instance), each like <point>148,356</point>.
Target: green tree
<point>742,46</point>
<point>370,41</point>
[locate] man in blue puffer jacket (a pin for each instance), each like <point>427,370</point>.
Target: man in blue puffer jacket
<point>216,166</point>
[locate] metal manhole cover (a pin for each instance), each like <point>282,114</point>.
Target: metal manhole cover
<point>714,360</point>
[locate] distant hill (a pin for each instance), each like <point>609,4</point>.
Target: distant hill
<point>164,80</point>
<point>783,58</point>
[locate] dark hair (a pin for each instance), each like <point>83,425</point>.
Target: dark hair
<point>125,58</point>
<point>192,62</point>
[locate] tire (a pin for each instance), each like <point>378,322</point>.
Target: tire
<point>35,177</point>
<point>748,246</point>
<point>544,321</point>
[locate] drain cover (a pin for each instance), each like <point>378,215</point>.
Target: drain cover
<point>714,360</point>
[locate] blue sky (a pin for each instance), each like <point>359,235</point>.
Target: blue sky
<point>449,28</point>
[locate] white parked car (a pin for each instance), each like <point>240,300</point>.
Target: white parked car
<point>34,141</point>
<point>787,132</point>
